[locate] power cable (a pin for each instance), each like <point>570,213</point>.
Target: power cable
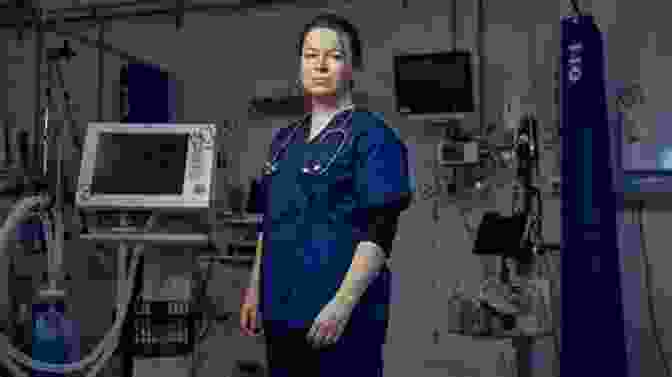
<point>555,330</point>
<point>536,228</point>
<point>206,306</point>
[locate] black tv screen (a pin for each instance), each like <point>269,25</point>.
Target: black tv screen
<point>434,83</point>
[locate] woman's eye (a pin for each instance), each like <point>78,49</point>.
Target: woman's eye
<point>315,56</point>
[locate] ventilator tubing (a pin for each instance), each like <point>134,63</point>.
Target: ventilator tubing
<point>103,351</point>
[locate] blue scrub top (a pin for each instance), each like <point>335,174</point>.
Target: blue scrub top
<point>313,223</point>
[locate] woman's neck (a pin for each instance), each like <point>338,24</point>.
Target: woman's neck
<point>327,106</point>
<point>323,110</point>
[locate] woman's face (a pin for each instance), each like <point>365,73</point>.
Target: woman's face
<point>326,63</point>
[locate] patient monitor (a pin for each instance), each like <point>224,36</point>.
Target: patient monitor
<point>147,167</point>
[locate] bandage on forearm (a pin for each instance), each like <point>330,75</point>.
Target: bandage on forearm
<point>257,261</point>
<point>366,265</point>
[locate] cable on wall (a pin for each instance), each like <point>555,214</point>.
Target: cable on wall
<point>649,290</point>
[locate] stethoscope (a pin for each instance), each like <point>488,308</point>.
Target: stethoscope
<point>314,168</point>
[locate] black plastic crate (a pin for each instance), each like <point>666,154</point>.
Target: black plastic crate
<point>163,328</point>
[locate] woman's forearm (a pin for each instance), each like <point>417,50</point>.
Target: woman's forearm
<point>367,263</point>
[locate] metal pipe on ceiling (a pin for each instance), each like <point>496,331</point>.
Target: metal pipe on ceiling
<point>89,8</point>
<point>50,23</point>
<point>104,6</point>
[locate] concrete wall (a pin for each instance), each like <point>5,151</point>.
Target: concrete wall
<point>224,60</point>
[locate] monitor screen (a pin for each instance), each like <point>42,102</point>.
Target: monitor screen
<point>129,157</point>
<point>145,166</point>
<point>437,83</point>
<point>426,71</point>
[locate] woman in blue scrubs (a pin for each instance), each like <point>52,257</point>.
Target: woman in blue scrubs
<point>334,185</point>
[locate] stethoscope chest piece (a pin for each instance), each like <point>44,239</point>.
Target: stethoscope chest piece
<point>315,167</point>
<point>313,170</point>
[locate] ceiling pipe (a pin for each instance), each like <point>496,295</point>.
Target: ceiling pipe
<point>89,8</point>
<point>104,6</point>
<point>50,23</point>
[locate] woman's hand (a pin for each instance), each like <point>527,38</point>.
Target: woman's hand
<point>250,318</point>
<point>330,324</point>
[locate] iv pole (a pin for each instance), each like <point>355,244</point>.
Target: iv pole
<point>56,138</point>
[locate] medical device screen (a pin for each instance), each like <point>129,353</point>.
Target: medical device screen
<point>132,164</point>
<point>434,83</point>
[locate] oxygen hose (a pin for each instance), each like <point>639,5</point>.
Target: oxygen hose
<point>105,348</point>
<point>108,345</point>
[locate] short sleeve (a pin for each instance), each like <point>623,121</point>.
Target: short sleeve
<point>383,223</point>
<point>382,171</point>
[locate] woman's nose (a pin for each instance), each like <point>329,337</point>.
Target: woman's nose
<point>322,63</point>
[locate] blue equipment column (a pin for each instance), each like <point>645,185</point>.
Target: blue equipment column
<point>152,95</point>
<point>593,341</point>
